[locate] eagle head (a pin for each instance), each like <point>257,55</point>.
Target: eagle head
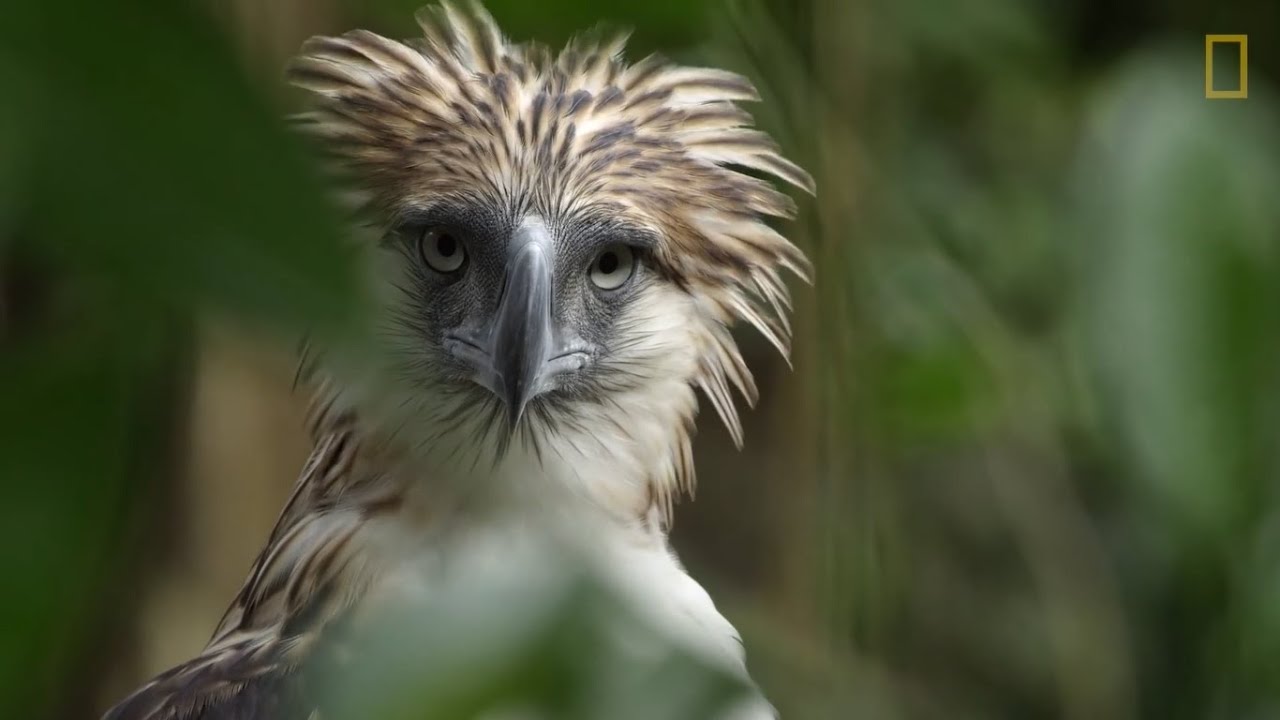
<point>565,238</point>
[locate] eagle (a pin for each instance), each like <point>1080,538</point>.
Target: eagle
<point>556,247</point>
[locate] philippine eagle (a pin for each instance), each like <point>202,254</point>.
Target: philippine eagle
<point>560,243</point>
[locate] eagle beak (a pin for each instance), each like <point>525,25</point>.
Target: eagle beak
<point>521,338</point>
<point>519,353</point>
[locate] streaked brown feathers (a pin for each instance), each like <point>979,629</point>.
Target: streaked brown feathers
<point>664,144</point>
<point>306,577</point>
<point>462,110</point>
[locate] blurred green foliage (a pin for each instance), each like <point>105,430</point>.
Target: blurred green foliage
<point>143,180</point>
<point>1040,364</point>
<point>567,649</point>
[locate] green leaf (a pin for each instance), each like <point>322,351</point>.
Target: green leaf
<point>539,635</point>
<point>77,414</point>
<point>1181,284</point>
<point>161,168</point>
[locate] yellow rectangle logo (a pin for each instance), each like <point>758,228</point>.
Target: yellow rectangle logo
<point>1243,90</point>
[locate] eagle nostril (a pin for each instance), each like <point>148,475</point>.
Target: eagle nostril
<point>573,360</point>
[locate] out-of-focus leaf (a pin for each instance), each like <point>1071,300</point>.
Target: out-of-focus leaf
<point>160,168</point>
<point>136,158</point>
<point>1181,284</point>
<point>540,639</point>
<point>1180,306</point>
<point>74,411</point>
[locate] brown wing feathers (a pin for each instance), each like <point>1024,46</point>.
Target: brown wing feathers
<point>249,669</point>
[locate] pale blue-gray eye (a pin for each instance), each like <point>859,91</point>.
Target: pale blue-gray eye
<point>441,250</point>
<point>613,267</point>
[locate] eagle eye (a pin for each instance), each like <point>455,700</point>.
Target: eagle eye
<point>613,267</point>
<point>441,250</point>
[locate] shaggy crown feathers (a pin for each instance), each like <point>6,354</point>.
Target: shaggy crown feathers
<point>463,111</point>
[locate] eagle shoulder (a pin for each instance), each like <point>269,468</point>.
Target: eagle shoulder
<point>306,577</point>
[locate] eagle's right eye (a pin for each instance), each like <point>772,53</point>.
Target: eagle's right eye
<point>441,250</point>
<point>613,267</point>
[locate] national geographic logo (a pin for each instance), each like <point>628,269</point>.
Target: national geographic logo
<point>1242,87</point>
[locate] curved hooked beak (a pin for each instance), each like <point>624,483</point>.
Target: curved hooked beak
<point>522,350</point>
<point>521,336</point>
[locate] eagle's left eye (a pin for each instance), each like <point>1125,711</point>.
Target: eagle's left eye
<point>441,250</point>
<point>613,267</point>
